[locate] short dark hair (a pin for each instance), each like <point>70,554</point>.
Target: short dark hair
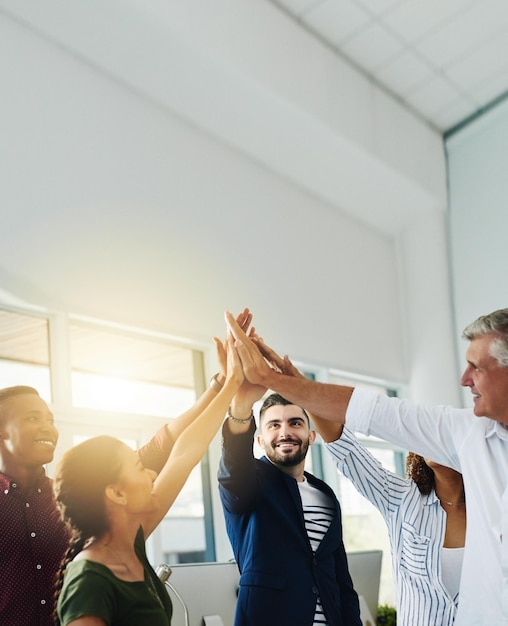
<point>276,399</point>
<point>17,390</point>
<point>10,392</point>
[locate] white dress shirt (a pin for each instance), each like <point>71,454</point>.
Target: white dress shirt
<point>416,527</point>
<point>477,447</point>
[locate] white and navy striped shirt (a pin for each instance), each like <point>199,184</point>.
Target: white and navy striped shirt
<point>416,527</point>
<point>318,512</point>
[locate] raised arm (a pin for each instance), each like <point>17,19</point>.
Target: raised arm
<point>193,442</point>
<point>176,426</point>
<point>329,431</point>
<point>384,489</point>
<point>328,401</point>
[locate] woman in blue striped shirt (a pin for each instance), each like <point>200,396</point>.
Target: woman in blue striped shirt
<point>426,518</point>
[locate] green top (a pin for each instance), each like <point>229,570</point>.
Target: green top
<point>90,588</point>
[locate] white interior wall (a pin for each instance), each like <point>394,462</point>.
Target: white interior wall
<point>478,219</point>
<point>147,192</point>
<point>424,261</point>
<point>120,211</point>
<point>164,161</point>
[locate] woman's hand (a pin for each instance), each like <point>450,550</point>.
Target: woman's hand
<point>234,369</point>
<point>243,319</point>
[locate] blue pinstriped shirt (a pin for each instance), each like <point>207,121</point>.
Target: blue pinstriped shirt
<point>416,527</point>
<point>478,448</point>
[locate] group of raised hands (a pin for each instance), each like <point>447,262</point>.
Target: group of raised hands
<point>244,348</point>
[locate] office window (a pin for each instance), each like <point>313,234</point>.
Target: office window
<point>122,382</point>
<point>340,378</point>
<point>24,351</point>
<point>139,374</point>
<point>133,373</point>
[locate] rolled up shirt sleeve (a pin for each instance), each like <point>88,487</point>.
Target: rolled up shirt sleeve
<point>435,432</point>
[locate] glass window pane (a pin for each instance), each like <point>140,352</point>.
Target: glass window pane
<point>108,393</point>
<point>140,374</point>
<point>24,352</point>
<point>120,371</point>
<point>336,378</point>
<point>183,528</point>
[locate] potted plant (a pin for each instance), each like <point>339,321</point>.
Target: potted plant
<point>386,615</point>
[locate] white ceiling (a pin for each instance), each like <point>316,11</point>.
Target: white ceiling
<point>206,63</point>
<point>445,59</point>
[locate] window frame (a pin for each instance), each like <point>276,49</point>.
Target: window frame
<point>89,421</point>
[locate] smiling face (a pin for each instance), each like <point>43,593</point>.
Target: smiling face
<point>487,380</point>
<point>27,433</point>
<point>285,435</point>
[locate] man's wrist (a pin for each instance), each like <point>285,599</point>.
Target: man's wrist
<point>271,378</point>
<point>239,415</point>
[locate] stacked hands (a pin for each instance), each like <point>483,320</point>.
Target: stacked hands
<point>259,364</point>
<point>259,361</point>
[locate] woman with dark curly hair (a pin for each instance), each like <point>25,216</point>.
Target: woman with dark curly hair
<point>420,472</point>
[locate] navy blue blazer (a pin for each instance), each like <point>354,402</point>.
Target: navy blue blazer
<point>280,574</point>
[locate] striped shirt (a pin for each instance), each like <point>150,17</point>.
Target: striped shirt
<point>416,526</point>
<point>478,448</point>
<point>318,513</point>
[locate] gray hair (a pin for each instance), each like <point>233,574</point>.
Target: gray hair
<point>495,323</point>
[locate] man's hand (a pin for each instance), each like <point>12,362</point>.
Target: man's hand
<point>324,399</point>
<point>234,370</point>
<point>243,320</point>
<point>249,393</point>
<point>282,365</point>
<point>256,369</point>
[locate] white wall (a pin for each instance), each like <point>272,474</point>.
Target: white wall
<point>433,374</point>
<point>118,210</point>
<point>477,157</point>
<point>163,161</point>
<point>138,190</point>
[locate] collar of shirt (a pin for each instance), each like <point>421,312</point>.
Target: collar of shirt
<point>497,428</point>
<point>430,499</point>
<point>7,483</point>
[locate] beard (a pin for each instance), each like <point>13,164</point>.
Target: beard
<point>288,459</point>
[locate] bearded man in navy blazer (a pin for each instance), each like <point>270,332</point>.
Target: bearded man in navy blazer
<point>284,524</point>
